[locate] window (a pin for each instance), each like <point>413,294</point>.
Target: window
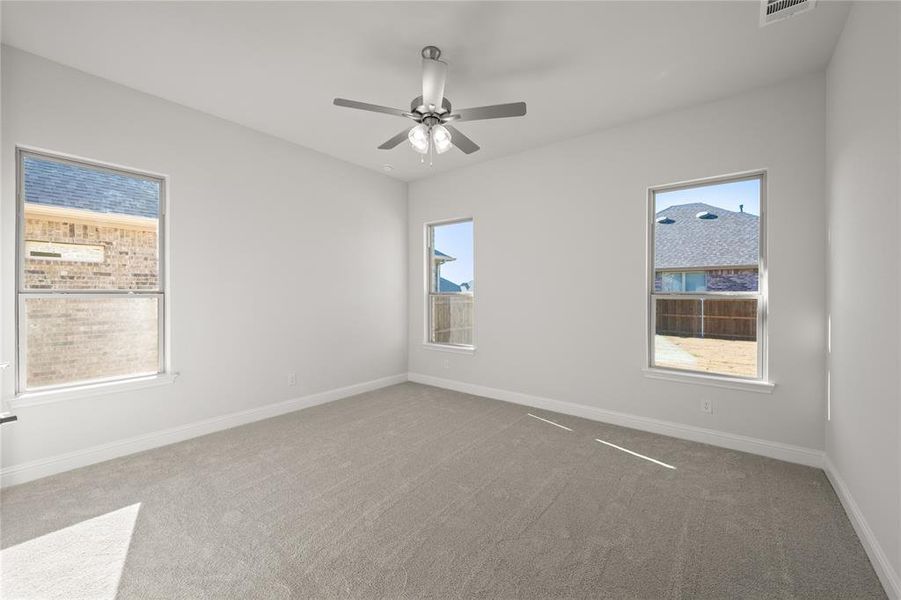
<point>90,304</point>
<point>680,281</point>
<point>707,292</point>
<point>449,258</point>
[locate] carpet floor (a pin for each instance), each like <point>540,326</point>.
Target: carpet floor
<point>417,492</point>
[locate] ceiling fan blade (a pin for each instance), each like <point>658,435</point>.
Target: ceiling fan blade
<point>434,75</point>
<point>495,111</point>
<point>461,141</point>
<point>374,108</point>
<point>395,140</point>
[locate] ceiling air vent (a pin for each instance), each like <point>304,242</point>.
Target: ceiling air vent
<point>778,10</point>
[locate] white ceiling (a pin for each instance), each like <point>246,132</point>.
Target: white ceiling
<point>276,67</point>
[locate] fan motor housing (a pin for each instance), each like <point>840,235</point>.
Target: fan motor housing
<point>417,106</point>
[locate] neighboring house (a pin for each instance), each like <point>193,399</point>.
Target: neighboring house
<point>446,285</point>
<point>699,247</point>
<point>92,229</point>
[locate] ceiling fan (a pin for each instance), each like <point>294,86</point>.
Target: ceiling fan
<point>433,113</point>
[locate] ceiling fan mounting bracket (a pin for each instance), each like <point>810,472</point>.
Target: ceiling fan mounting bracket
<point>431,52</point>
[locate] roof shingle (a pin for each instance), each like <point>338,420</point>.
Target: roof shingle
<point>729,240</point>
<point>63,184</point>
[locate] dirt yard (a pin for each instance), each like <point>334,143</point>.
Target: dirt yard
<point>730,357</point>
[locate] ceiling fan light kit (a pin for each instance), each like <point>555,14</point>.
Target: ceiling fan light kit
<point>419,138</point>
<point>433,113</point>
<point>441,138</point>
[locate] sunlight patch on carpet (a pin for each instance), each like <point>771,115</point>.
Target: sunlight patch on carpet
<point>626,450</point>
<point>84,560</point>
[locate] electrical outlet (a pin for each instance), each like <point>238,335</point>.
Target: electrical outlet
<point>292,378</point>
<point>707,406</point>
<point>446,364</point>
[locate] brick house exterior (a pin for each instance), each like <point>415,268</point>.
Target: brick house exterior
<point>694,239</point>
<point>128,250</point>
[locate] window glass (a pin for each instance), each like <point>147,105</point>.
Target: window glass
<point>88,228</point>
<point>451,283</point>
<point>712,336</point>
<point>707,242</point>
<point>90,291</point>
<point>712,227</point>
<point>84,339</point>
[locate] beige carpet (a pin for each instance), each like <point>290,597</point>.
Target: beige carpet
<point>416,492</point>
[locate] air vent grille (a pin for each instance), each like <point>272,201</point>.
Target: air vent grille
<point>778,10</point>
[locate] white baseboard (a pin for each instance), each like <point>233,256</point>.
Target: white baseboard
<point>777,450</point>
<point>881,564</point>
<point>36,469</point>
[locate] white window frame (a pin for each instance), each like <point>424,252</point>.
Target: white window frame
<point>428,236</point>
<point>43,394</point>
<point>760,382</point>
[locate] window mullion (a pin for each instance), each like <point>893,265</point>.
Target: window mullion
<point>90,293</point>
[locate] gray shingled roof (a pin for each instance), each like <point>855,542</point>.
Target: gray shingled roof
<point>63,184</point>
<point>730,240</point>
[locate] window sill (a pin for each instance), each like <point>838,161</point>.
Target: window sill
<point>92,389</point>
<point>746,385</point>
<point>447,348</point>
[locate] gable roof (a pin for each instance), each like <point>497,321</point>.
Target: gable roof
<point>730,240</point>
<point>72,186</point>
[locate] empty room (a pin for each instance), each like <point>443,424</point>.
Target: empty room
<point>426,300</point>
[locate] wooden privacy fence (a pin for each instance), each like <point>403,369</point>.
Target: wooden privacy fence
<point>729,319</point>
<point>451,321</point>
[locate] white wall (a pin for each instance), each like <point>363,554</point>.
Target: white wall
<point>862,437</point>
<point>560,262</point>
<point>283,259</point>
